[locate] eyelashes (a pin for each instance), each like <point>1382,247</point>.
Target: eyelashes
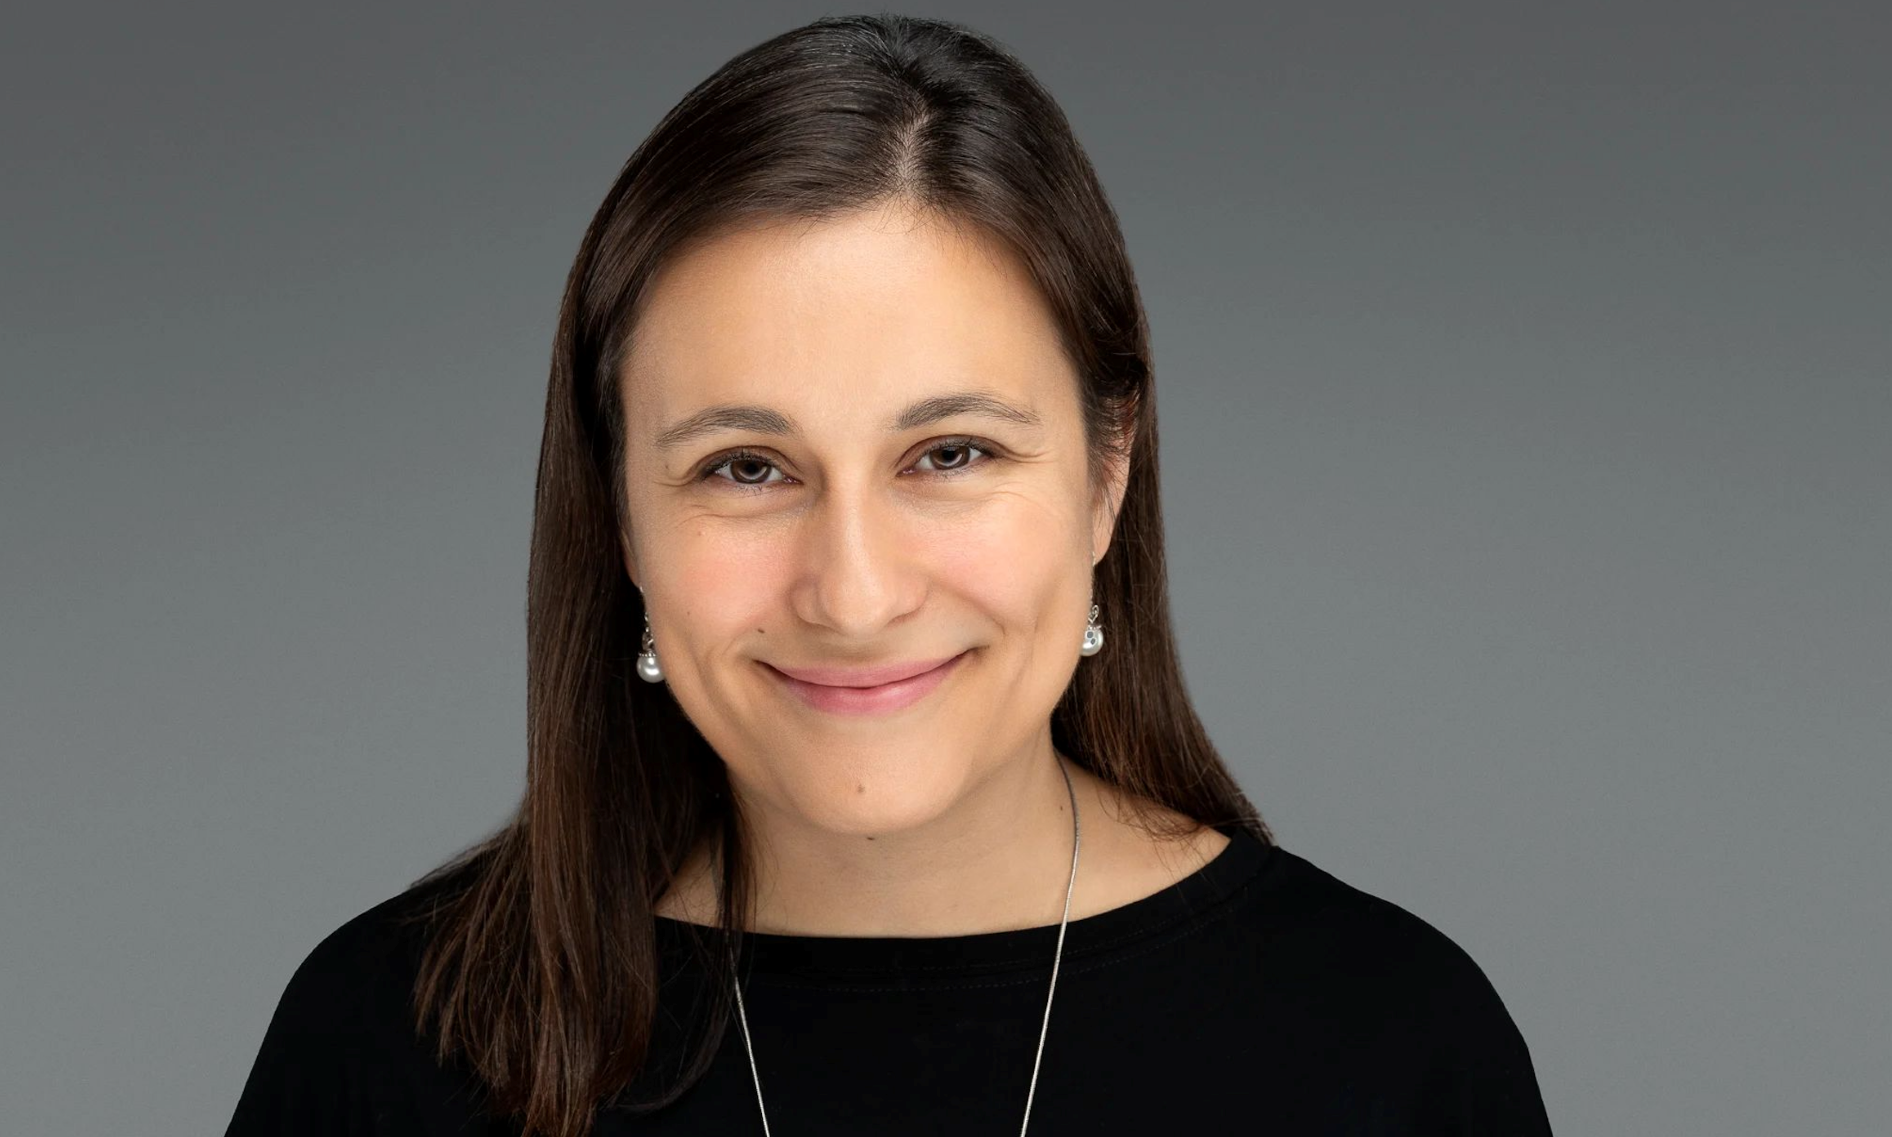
<point>711,471</point>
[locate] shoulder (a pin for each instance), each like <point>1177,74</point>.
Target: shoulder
<point>360,972</point>
<point>1380,972</point>
<point>341,1049</point>
<point>342,1053</point>
<point>1367,965</point>
<point>1360,933</point>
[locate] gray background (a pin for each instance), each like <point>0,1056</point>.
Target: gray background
<point>1524,379</point>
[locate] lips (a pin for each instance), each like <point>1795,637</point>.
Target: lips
<point>913,681</point>
<point>862,676</point>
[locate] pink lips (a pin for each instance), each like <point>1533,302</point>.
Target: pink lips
<point>865,690</point>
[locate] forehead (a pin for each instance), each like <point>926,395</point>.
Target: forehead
<point>865,310</point>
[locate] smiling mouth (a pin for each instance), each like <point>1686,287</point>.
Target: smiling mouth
<point>908,686</point>
<point>864,677</point>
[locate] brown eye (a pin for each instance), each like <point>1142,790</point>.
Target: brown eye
<point>751,476</point>
<point>746,469</point>
<point>954,456</point>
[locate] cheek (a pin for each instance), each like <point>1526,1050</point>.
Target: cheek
<point>1014,560</point>
<point>723,578</point>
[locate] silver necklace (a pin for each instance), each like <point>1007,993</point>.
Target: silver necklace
<point>1077,837</point>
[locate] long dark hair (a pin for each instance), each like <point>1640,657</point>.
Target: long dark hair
<point>540,966</point>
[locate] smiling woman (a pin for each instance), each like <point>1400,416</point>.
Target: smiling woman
<point>850,535</point>
<point>855,710</point>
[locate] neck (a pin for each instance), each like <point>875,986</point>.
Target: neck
<point>999,859</point>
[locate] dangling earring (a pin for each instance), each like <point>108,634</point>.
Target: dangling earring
<point>1093,636</point>
<point>648,669</point>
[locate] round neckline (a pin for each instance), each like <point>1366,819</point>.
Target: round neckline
<point>782,954</point>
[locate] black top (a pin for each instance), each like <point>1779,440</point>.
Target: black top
<point>1258,995</point>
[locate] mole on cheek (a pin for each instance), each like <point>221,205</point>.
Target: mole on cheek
<point>860,789</point>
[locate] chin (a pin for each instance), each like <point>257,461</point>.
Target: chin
<point>873,798</point>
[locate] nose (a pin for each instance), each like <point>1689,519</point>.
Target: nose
<point>861,558</point>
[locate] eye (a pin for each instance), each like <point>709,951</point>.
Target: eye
<point>735,462</point>
<point>749,469</point>
<point>960,450</point>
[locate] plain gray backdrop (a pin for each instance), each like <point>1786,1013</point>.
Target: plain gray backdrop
<point>1523,373</point>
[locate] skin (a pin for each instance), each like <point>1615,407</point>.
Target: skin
<point>846,543</point>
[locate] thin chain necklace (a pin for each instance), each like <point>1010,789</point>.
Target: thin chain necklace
<point>1077,837</point>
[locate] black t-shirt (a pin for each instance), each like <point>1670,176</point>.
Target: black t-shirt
<point>1258,995</point>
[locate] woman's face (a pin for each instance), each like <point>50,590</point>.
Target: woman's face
<point>857,444</point>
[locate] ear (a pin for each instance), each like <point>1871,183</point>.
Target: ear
<point>1108,500</point>
<point>630,558</point>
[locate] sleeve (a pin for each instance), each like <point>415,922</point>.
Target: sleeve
<point>1481,1079</point>
<point>308,1076</point>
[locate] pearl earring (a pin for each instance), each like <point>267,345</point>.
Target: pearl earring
<point>1093,636</point>
<point>648,669</point>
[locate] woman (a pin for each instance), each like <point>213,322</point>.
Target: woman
<point>855,713</point>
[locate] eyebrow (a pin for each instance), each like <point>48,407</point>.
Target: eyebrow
<point>767,420</point>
